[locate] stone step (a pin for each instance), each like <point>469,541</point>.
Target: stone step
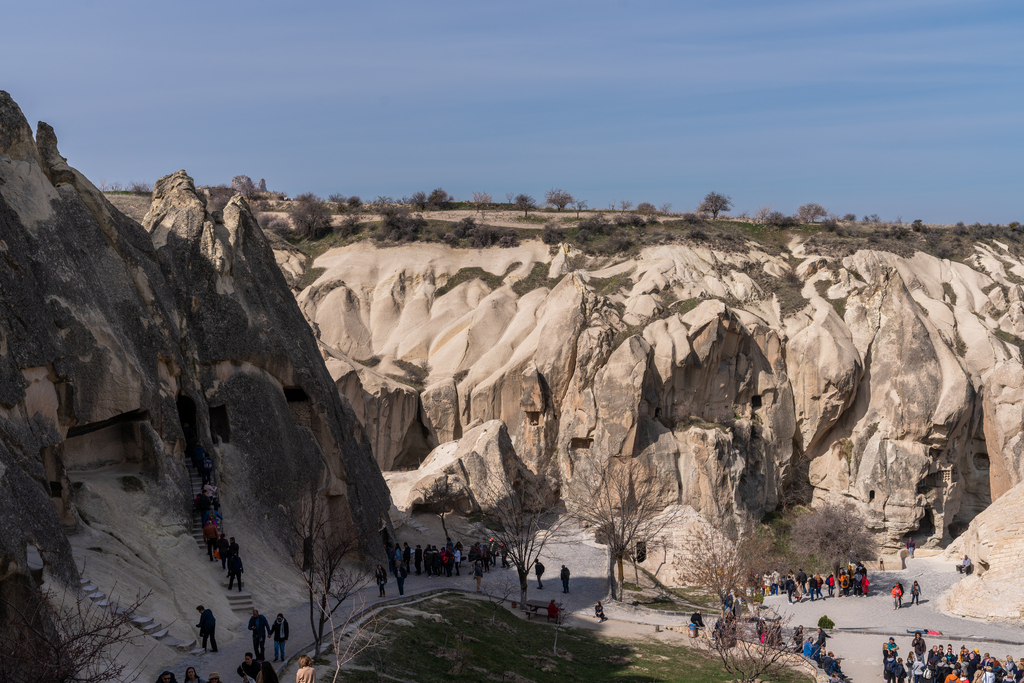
<point>153,626</point>
<point>102,603</point>
<point>240,595</point>
<point>196,651</point>
<point>83,580</point>
<point>159,634</point>
<point>182,645</point>
<point>89,589</point>
<point>142,621</point>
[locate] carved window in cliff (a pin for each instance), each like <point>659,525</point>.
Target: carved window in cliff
<point>981,461</point>
<point>755,402</point>
<point>220,426</point>
<point>534,417</point>
<point>298,404</point>
<point>871,496</point>
<point>580,443</point>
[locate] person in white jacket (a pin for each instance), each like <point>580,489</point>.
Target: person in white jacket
<point>988,676</point>
<point>917,668</point>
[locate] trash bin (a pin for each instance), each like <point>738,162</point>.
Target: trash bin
<point>693,630</point>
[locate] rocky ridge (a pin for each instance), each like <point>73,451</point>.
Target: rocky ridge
<point>112,336</point>
<point>890,382</point>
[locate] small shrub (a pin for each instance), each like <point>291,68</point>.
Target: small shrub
<point>850,218</point>
<point>826,623</point>
<point>632,220</point>
<point>350,226</point>
<point>829,225</point>
<point>311,216</point>
<point>400,227</point>
<point>140,187</point>
<point>337,198</point>
<point>354,202</point>
<point>439,199</point>
<point>552,234</point>
<point>270,222</point>
<point>777,219</point>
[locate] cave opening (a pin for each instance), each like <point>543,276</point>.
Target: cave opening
<point>295,394</point>
<point>871,496</point>
<point>755,401</point>
<point>124,438</point>
<point>220,426</point>
<point>186,411</point>
<point>926,527</point>
<point>534,417</point>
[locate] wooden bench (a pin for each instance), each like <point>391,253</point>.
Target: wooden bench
<point>536,607</point>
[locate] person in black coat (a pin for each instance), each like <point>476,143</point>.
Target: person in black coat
<point>235,570</point>
<point>250,668</point>
<point>279,629</point>
<point>539,569</point>
<point>207,625</point>
<point>418,558</point>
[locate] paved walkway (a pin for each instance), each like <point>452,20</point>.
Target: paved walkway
<point>588,564</point>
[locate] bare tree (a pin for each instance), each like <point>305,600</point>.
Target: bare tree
<point>498,591</point>
<point>579,205</point>
<point>811,212</point>
<point>666,208</point>
<point>847,537</point>
<point>625,502</point>
<point>709,560</point>
<point>568,608</point>
<point>326,556</point>
<point>525,203</point>
<point>625,205</point>
<point>762,213</point>
<point>715,203</point>
<point>439,199</point>
<point>481,200</point>
<point>738,645</point>
<point>558,198</point>
<point>440,495</point>
<point>418,200</point>
<point>510,197</point>
<point>311,216</point>
<point>525,521</point>
<point>45,639</point>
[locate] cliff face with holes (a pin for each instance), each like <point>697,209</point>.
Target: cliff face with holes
<point>112,336</point>
<point>747,377</point>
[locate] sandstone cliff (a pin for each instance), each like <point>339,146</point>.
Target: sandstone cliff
<point>112,336</point>
<point>749,377</point>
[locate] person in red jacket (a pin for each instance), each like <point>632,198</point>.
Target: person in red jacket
<point>553,610</point>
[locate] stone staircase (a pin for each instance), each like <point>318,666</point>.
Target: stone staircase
<point>147,625</point>
<point>240,601</point>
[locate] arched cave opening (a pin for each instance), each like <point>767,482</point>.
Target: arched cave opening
<point>187,412</point>
<point>299,406</point>
<point>416,446</point>
<point>926,527</point>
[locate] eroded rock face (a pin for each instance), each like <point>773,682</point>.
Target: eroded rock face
<point>995,542</point>
<point>750,378</point>
<point>480,465</point>
<point>113,335</point>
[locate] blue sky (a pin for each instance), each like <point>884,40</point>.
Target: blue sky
<point>911,109</point>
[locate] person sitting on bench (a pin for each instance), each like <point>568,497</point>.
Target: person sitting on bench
<point>553,610</point>
<point>965,566</point>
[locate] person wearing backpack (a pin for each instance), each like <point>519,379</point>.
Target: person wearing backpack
<point>382,579</point>
<point>539,569</point>
<point>207,469</point>
<point>235,571</point>
<point>478,574</point>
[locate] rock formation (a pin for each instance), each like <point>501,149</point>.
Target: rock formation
<point>995,542</point>
<point>114,335</point>
<point>751,378</point>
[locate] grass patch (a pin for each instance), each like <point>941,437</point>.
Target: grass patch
<point>414,374</point>
<point>309,277</point>
<point>947,289</point>
<point>840,306</point>
<point>537,278</point>
<point>465,647</point>
<point>959,344</point>
<point>465,275</point>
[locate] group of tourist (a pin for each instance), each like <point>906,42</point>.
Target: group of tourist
<point>249,671</point>
<point>945,665</point>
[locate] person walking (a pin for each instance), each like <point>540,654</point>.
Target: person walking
<point>232,550</point>
<point>565,579</point>
<point>382,579</point>
<point>915,594</point>
<point>801,578</point>
<point>260,629</point>
<point>280,632</point>
<point>911,546</point>
<point>207,625</point>
<point>406,556</point>
<point>235,570</point>
<point>401,572</point>
<point>210,535</point>
<point>458,558</point>
<point>897,595</point>
<point>539,569</point>
<point>478,574</point>
<point>223,549</point>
